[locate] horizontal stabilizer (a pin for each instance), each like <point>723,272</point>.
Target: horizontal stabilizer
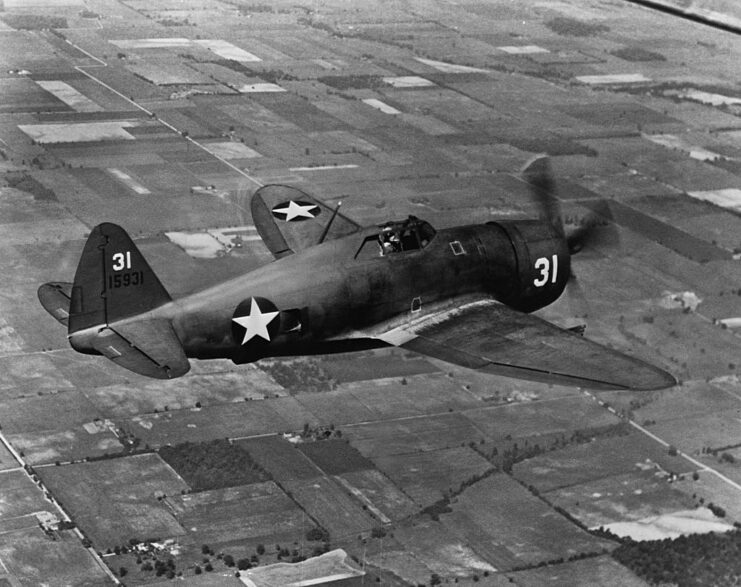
<point>147,347</point>
<point>55,297</point>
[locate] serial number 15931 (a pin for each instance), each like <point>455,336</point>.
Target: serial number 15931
<point>125,279</point>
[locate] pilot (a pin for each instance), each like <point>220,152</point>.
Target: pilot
<point>389,241</point>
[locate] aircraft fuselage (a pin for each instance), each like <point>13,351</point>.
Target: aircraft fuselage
<point>331,292</point>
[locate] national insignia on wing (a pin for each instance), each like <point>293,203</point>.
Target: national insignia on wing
<point>293,211</point>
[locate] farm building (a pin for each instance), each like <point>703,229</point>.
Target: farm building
<point>333,569</point>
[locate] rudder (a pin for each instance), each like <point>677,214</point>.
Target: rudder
<point>113,281</point>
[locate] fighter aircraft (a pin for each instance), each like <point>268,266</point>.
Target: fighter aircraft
<point>463,295</point>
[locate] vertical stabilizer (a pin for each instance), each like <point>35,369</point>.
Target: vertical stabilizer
<point>113,281</point>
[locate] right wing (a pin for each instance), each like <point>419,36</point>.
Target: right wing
<point>288,220</point>
<point>481,333</point>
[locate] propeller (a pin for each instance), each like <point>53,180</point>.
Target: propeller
<point>537,173</point>
<point>595,229</point>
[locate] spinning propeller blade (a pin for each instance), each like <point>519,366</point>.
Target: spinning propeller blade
<point>595,229</point>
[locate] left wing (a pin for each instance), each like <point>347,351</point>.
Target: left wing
<point>481,333</point>
<point>288,220</point>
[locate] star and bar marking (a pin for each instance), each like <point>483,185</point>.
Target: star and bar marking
<point>295,210</point>
<point>255,323</point>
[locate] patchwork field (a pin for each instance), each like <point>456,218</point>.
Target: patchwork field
<point>334,457</point>
<point>626,497</point>
<point>234,420</point>
<point>597,460</point>
<point>280,458</point>
<point>427,476</point>
<point>7,460</point>
<point>375,490</point>
<point>115,500</point>
<point>601,570</point>
<point>347,369</point>
<point>408,435</point>
<point>210,388</point>
<point>77,430</point>
<point>440,550</point>
<point>511,527</point>
<point>411,396</point>
<point>324,500</point>
<point>249,514</point>
<point>168,124</point>
<point>531,419</point>
<point>64,560</point>
<point>21,498</point>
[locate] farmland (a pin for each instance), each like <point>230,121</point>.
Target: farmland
<point>64,559</point>
<point>125,504</point>
<point>164,118</point>
<point>427,476</point>
<point>334,457</point>
<point>597,460</point>
<point>327,503</point>
<point>248,514</point>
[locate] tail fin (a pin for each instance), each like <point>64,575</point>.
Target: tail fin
<point>113,281</point>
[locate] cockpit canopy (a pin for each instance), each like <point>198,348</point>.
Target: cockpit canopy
<point>398,237</point>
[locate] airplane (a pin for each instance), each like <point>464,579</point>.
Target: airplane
<point>463,295</point>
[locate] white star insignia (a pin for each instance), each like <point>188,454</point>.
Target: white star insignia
<point>256,322</point>
<point>297,210</point>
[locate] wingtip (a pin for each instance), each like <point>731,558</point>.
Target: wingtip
<point>652,378</point>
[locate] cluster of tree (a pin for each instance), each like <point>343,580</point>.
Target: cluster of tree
<point>314,433</point>
<point>212,465</point>
<point>511,452</point>
<point>173,22</point>
<point>273,76</point>
<point>161,568</point>
<point>697,559</point>
<point>725,456</point>
<point>348,82</point>
<point>34,22</point>
<point>636,53</point>
<point>242,564</point>
<point>434,510</point>
<point>554,146</point>
<point>320,25</point>
<point>317,534</point>
<point>300,375</point>
<point>250,8</point>
<point>26,183</point>
<point>128,440</point>
<point>563,25</point>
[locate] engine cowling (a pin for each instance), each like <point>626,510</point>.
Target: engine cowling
<point>538,264</point>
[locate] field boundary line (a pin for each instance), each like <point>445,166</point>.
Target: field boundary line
<point>152,115</point>
<point>663,442</point>
<point>102,63</point>
<point>58,506</point>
